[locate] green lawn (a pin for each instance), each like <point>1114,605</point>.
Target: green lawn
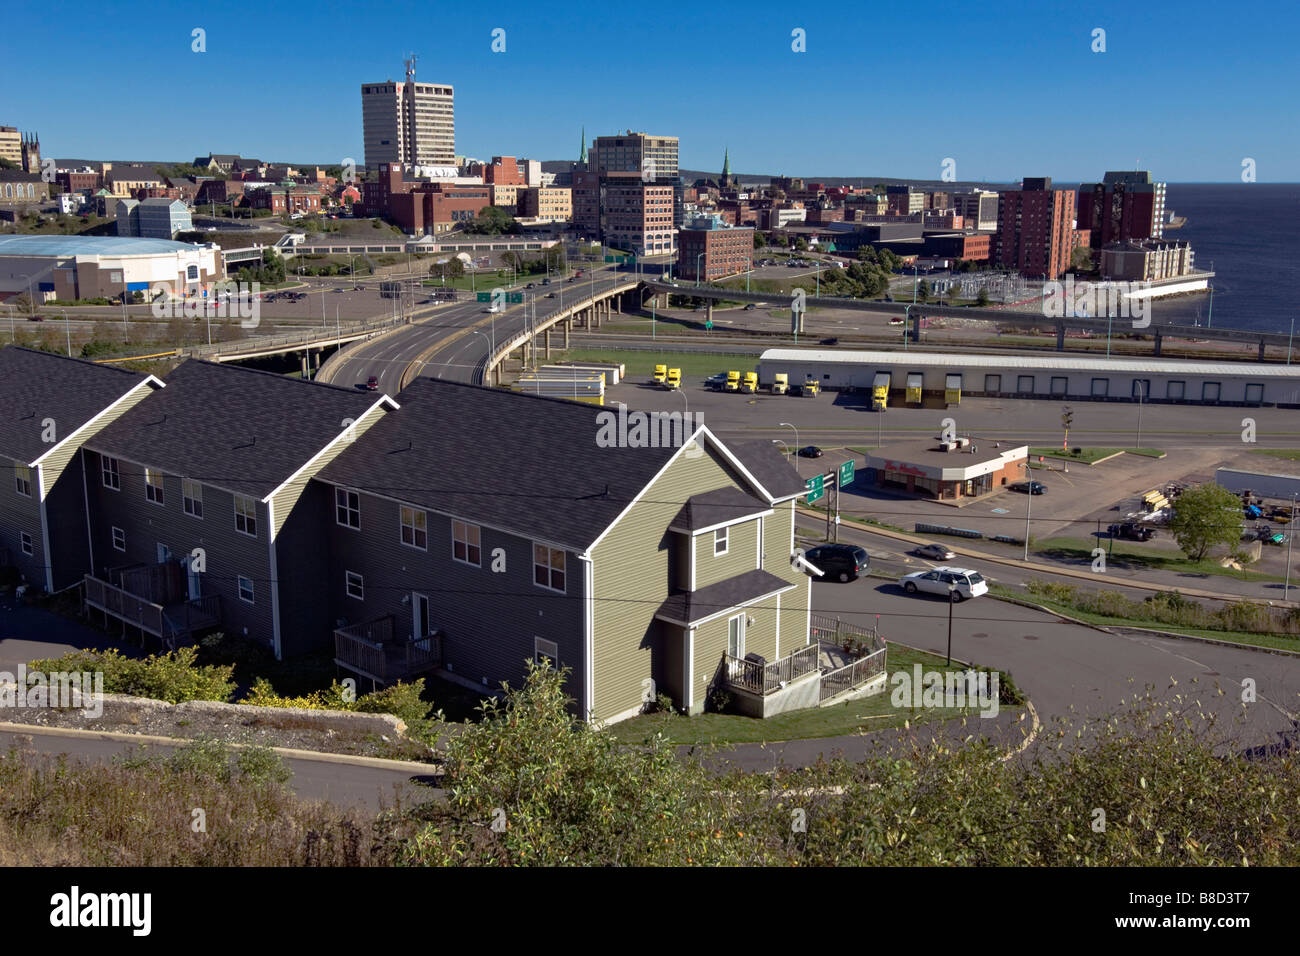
<point>1278,641</point>
<point>1089,455</point>
<point>641,364</point>
<point>1137,556</point>
<point>865,714</point>
<point>1286,454</point>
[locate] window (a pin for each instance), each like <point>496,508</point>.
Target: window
<point>720,541</point>
<point>119,539</point>
<point>548,567</point>
<point>153,486</point>
<point>23,480</point>
<point>111,477</point>
<point>246,589</point>
<point>347,508</point>
<point>192,497</point>
<point>546,653</point>
<point>415,527</point>
<point>25,542</point>
<point>466,543</point>
<point>355,585</point>
<point>246,515</point>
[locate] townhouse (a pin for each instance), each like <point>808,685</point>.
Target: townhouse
<point>200,509</point>
<point>491,528</point>
<point>51,406</point>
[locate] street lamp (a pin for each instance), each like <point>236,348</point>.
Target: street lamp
<point>487,363</point>
<point>1029,507</point>
<point>796,443</point>
<point>67,327</point>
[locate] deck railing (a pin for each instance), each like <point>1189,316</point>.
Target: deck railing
<point>853,674</point>
<point>769,677</point>
<point>360,647</point>
<point>122,604</point>
<point>831,630</point>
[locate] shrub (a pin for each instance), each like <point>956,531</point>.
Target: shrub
<point>403,701</point>
<point>174,676</point>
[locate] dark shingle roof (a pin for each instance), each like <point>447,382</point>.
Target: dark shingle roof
<point>717,507</point>
<point>521,462</point>
<point>770,467</point>
<point>36,385</point>
<point>237,428</point>
<point>687,607</point>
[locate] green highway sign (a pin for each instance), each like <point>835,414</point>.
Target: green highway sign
<point>816,488</point>
<point>485,296</point>
<point>515,297</point>
<point>708,325</point>
<point>846,473</point>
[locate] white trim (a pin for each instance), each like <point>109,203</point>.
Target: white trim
<point>402,526</point>
<point>234,514</point>
<point>275,577</point>
<point>184,497</point>
<point>239,588</point>
<point>331,443</point>
<point>347,507</point>
<point>760,543</point>
<point>721,524</point>
<point>550,569</point>
<point>589,633</point>
<point>117,472</point>
<point>465,561</point>
<point>690,666</point>
<point>102,412</point>
<point>347,584</point>
<point>778,627</point>
<point>693,543</point>
<point>160,488</point>
<point>113,537</point>
<point>538,641</point>
<point>85,500</point>
<point>17,490</point>
<point>31,545</point>
<point>725,541</point>
<point>45,531</point>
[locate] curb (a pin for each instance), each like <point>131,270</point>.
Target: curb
<point>378,763</point>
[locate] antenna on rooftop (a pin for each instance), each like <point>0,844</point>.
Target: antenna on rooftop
<point>410,68</point>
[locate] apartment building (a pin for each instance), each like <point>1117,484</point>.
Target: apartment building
<point>1036,233</point>
<point>546,202</point>
<point>639,217</point>
<point>709,249</point>
<point>51,406</point>
<point>1124,206</point>
<point>408,122</point>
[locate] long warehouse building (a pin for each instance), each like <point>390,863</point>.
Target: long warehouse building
<point>916,378</point>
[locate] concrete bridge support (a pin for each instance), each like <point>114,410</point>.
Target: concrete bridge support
<point>709,314</point>
<point>1159,339</point>
<point>568,324</point>
<point>547,333</point>
<point>1261,349</point>
<point>1060,336</point>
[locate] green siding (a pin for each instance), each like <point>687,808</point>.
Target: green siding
<point>711,644</point>
<point>794,604</point>
<point>741,556</point>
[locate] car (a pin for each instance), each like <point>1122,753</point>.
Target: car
<point>550,295</point>
<point>717,382</point>
<point>531,285</point>
<point>749,307</point>
<point>810,451</point>
<point>830,341</point>
<point>546,282</point>
<point>372,384</point>
<point>935,552</point>
<point>1132,531</point>
<point>1253,511</point>
<point>844,562</point>
<point>340,289</point>
<point>358,288</point>
<point>960,583</point>
<point>36,318</point>
<point>1029,487</point>
<point>270,297</point>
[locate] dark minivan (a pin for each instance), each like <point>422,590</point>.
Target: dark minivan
<point>844,562</point>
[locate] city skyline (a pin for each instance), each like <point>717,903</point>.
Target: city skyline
<point>950,88</point>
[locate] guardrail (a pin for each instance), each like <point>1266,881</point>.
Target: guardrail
<point>288,341</point>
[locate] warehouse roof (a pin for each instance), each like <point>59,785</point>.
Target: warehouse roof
<point>89,246</point>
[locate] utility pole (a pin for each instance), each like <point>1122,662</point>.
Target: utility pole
<point>1029,507</point>
<point>1290,536</point>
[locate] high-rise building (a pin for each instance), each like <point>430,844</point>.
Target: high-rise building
<point>409,122</point>
<point>11,145</point>
<point>978,208</point>
<point>1036,234</point>
<point>638,217</point>
<point>652,159</point>
<point>1124,206</point>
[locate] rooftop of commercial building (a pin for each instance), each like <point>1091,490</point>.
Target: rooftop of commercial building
<point>89,246</point>
<point>928,452</point>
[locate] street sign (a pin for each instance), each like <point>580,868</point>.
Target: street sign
<point>515,297</point>
<point>485,296</point>
<point>846,473</point>
<point>816,488</point>
<point>708,325</point>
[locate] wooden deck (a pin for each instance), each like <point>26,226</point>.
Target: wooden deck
<point>372,650</point>
<point>173,623</point>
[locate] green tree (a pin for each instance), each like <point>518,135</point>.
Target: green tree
<point>1205,516</point>
<point>1081,259</point>
<point>923,291</point>
<point>493,221</point>
<point>982,298</point>
<point>760,240</point>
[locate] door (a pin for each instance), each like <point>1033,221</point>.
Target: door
<point>164,553</point>
<point>420,628</point>
<point>736,642</point>
<point>193,588</point>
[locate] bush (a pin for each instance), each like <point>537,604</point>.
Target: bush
<point>335,697</point>
<point>403,701</point>
<point>174,676</point>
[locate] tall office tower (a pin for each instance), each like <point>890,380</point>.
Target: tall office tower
<point>1125,205</point>
<point>410,122</point>
<point>636,155</point>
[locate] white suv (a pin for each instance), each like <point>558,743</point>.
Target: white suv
<point>968,583</point>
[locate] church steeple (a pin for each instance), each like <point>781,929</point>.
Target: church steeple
<point>582,150</point>
<point>726,168</point>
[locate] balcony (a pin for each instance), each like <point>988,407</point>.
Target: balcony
<point>147,598</point>
<point>841,661</point>
<point>371,650</point>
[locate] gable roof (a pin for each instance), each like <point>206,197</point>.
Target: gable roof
<point>717,507</point>
<point>770,467</point>
<point>525,463</point>
<point>236,428</point>
<point>38,385</point>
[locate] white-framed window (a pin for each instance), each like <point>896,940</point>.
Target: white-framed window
<point>246,515</point>
<point>355,585</point>
<point>548,567</point>
<point>23,480</point>
<point>720,541</point>
<point>347,508</point>
<point>546,653</point>
<point>466,543</point>
<point>192,497</point>
<point>153,486</point>
<point>25,542</point>
<point>119,539</point>
<point>108,468</point>
<point>245,589</point>
<point>415,527</point>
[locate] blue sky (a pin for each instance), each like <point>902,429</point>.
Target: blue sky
<point>1006,89</point>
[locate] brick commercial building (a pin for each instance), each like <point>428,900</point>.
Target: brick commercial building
<point>639,217</point>
<point>506,196</point>
<point>904,200</point>
<point>708,249</point>
<point>77,180</point>
<point>1124,205</point>
<point>948,470</point>
<point>546,202</point>
<point>286,198</point>
<point>503,171</point>
<point>1035,229</point>
<point>422,207</point>
<point>972,246</point>
<point>1150,260</point>
<point>586,202</point>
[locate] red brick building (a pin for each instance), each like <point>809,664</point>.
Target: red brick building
<point>286,199</point>
<point>1035,229</point>
<point>503,171</point>
<point>77,181</point>
<point>1124,206</point>
<point>420,207</point>
<point>714,249</point>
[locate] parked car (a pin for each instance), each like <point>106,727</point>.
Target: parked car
<point>963,582</point>
<point>531,285</point>
<point>358,288</point>
<point>844,562</point>
<point>546,282</point>
<point>830,341</point>
<point>1253,511</point>
<point>550,295</point>
<point>1132,531</point>
<point>749,307</point>
<point>935,552</point>
<point>1029,487</point>
<point>372,384</point>
<point>810,451</point>
<point>717,382</point>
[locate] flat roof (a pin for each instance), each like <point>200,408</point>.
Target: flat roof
<point>929,453</point>
<point>90,246</point>
<point>1064,363</point>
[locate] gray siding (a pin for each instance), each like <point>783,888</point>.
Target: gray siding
<point>65,510</point>
<point>19,513</point>
<point>303,568</point>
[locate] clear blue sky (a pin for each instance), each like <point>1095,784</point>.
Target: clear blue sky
<point>1006,89</point>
